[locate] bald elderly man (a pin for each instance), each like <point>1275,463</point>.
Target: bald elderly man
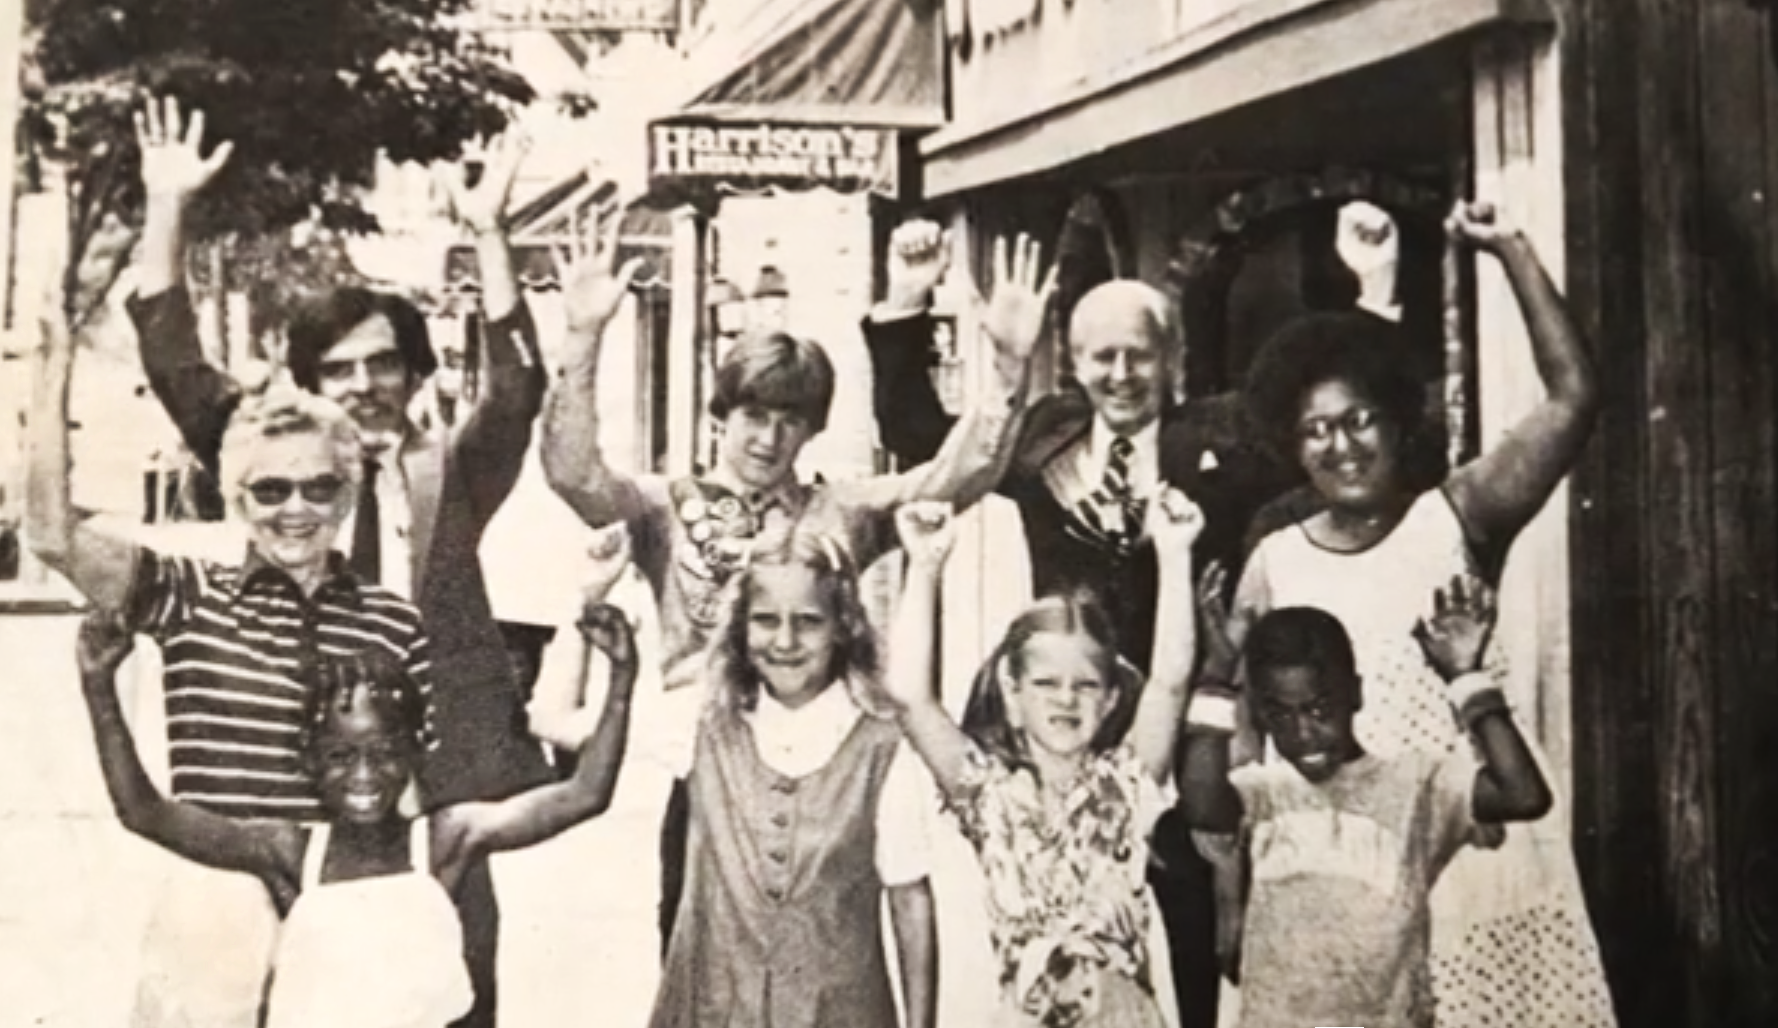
<point>1090,455</point>
<point>1085,463</point>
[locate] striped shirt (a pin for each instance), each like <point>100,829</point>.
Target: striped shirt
<point>240,646</point>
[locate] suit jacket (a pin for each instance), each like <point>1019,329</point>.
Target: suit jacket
<point>1206,448</point>
<point>457,477</point>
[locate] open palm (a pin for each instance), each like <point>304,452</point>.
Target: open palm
<point>1015,310</point>
<point>173,164</point>
<point>591,291</point>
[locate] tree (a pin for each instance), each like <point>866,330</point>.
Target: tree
<point>308,91</point>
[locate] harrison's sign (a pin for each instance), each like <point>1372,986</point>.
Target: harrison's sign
<point>699,153</point>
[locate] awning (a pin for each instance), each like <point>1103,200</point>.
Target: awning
<point>1259,49</point>
<point>860,62</point>
<point>560,214</point>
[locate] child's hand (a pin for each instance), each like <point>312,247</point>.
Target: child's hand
<point>919,256</point>
<point>105,643</point>
<point>608,630</point>
<point>1222,632</point>
<point>1479,225</point>
<point>927,532</point>
<point>1174,522</point>
<point>609,555</point>
<point>1462,623</point>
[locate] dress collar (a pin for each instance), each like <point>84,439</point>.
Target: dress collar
<point>339,576</point>
<point>833,708</point>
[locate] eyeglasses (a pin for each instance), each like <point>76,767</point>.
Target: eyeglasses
<point>1354,421</point>
<point>275,492</point>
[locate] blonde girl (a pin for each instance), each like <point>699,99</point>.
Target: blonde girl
<point>803,816</point>
<point>1058,808</point>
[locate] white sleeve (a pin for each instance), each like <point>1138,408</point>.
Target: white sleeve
<point>904,817</point>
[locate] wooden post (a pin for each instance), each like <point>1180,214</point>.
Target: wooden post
<point>684,329</point>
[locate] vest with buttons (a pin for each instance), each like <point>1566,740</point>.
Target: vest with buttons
<point>780,925</point>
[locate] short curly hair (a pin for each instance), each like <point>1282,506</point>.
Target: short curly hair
<point>1365,351</point>
<point>281,409</point>
<point>371,675</point>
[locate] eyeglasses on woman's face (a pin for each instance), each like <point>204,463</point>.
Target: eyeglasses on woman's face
<point>1354,421</point>
<point>275,492</point>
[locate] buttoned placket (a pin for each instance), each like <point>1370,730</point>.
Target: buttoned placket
<point>776,834</point>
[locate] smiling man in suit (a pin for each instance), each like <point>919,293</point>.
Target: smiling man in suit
<point>1087,461</point>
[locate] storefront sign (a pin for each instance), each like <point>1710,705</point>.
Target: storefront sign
<point>581,15</point>
<point>701,153</point>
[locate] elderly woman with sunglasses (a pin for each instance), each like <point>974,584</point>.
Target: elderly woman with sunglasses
<point>239,645</point>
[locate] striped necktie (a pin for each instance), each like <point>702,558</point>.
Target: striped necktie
<point>1113,510</point>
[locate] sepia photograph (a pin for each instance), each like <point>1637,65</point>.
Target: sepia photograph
<point>889,514</point>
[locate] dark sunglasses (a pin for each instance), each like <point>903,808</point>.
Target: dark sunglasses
<point>275,492</point>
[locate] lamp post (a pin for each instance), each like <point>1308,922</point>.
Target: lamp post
<point>771,299</point>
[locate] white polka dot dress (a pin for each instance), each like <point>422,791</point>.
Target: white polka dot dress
<point>1512,944</point>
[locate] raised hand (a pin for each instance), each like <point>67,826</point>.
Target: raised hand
<point>919,256</point>
<point>1365,237</point>
<point>104,644</point>
<point>1479,225</point>
<point>927,532</point>
<point>482,207</point>
<point>1462,623</point>
<point>173,165</point>
<point>1013,315</point>
<point>591,293</point>
<point>1173,521</point>
<point>608,630</point>
<point>609,555</point>
<point>1222,633</point>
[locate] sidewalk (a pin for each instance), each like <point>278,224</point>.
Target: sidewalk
<point>578,944</point>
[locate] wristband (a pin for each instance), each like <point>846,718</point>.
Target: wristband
<point>1473,695</point>
<point>1212,710</point>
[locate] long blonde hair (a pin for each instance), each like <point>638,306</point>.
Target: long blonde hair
<point>856,654</point>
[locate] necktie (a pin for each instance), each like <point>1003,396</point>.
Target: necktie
<point>367,531</point>
<point>1118,493</point>
<point>1112,510</point>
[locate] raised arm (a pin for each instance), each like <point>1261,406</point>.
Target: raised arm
<point>573,462</point>
<point>979,448</point>
<point>926,533</point>
<point>548,810</point>
<point>1499,492</point>
<point>196,394</point>
<point>911,422</point>
<point>268,850</point>
<point>100,566</point>
<point>1173,523</point>
<point>491,443</point>
<point>1206,797</point>
<point>1509,786</point>
<point>558,711</point>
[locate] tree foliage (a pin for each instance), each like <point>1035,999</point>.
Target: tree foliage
<point>309,92</point>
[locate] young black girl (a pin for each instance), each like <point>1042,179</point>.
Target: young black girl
<point>371,937</point>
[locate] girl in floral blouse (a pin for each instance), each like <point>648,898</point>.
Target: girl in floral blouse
<point>1059,813</point>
